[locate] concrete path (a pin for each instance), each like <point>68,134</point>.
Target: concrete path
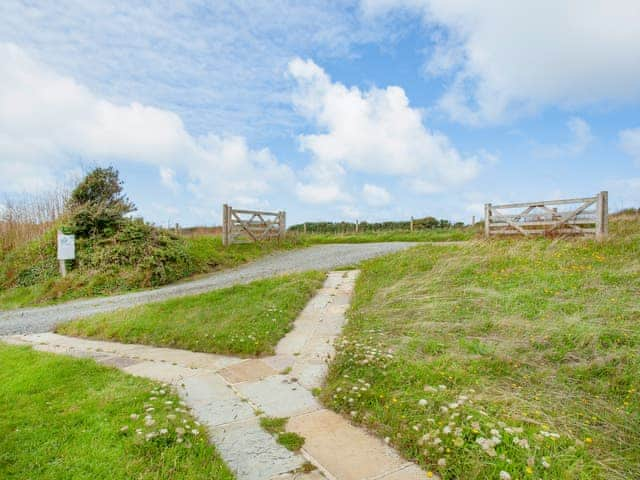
<point>227,394</point>
<point>318,257</point>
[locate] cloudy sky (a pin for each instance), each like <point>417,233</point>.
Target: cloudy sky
<point>330,110</point>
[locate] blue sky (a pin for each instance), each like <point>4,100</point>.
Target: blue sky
<point>372,109</point>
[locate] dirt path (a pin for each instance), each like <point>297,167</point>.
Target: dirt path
<point>318,257</point>
<point>227,394</point>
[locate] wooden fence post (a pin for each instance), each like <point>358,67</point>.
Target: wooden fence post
<point>305,228</point>
<point>282,220</point>
<point>473,220</point>
<point>602,215</point>
<point>411,224</point>
<point>487,213</point>
<point>225,225</point>
<point>356,226</point>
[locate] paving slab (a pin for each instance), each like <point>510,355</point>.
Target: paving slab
<point>278,396</point>
<point>213,401</point>
<point>361,456</point>
<point>408,472</point>
<point>247,371</point>
<point>251,453</point>
<point>161,372</point>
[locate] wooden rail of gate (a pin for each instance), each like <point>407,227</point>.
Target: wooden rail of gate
<point>586,216</point>
<point>245,226</point>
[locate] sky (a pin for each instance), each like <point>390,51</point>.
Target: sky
<point>329,110</point>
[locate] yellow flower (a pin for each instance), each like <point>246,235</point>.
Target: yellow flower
<point>529,470</point>
<point>588,440</point>
<point>429,474</point>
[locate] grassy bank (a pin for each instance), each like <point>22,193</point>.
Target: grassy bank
<point>516,356</point>
<point>435,235</point>
<point>138,257</point>
<point>66,418</point>
<point>244,319</point>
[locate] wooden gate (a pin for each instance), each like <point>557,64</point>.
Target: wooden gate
<point>245,226</point>
<point>585,216</point>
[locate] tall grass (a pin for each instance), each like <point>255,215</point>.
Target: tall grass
<point>27,217</point>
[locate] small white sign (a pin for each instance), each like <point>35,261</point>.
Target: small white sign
<point>66,246</point>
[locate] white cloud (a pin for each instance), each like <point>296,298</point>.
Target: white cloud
<point>630,143</point>
<point>503,59</point>
<point>374,131</point>
<point>319,194</point>
<point>47,120</point>
<point>375,196</point>
<point>580,137</point>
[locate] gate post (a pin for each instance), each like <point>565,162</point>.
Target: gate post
<point>487,213</point>
<point>602,215</point>
<point>282,225</point>
<point>225,225</point>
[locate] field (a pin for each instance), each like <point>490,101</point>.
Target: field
<point>67,418</point>
<point>243,320</point>
<point>516,356</point>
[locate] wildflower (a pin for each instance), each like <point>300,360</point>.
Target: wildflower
<point>458,442</point>
<point>179,431</point>
<point>195,432</point>
<point>545,464</point>
<point>529,470</point>
<point>442,462</point>
<point>124,429</point>
<point>387,440</point>
<point>429,474</point>
<point>163,431</point>
<point>588,440</point>
<point>148,421</point>
<point>133,416</point>
<point>422,402</point>
<point>504,475</point>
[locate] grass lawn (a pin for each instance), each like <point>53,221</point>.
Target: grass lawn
<point>244,319</point>
<point>435,235</point>
<point>62,418</point>
<point>516,356</point>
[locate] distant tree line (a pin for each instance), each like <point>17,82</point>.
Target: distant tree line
<point>426,223</point>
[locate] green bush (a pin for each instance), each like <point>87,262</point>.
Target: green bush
<point>97,205</point>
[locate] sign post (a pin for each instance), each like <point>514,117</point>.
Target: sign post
<point>66,250</point>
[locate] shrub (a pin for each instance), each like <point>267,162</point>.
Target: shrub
<point>98,205</point>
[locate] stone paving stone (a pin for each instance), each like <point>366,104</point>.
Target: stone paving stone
<point>114,361</point>
<point>310,375</point>
<point>409,472</point>
<point>185,358</point>
<point>314,475</point>
<point>361,456</point>
<point>252,453</point>
<point>280,362</point>
<point>213,401</point>
<point>247,371</point>
<point>162,372</point>
<point>278,397</point>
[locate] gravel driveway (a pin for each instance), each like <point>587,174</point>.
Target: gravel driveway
<point>318,257</point>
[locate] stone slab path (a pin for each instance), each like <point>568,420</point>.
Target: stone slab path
<point>227,394</point>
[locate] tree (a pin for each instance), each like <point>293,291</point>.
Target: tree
<point>97,205</point>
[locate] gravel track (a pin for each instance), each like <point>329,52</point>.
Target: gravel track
<point>318,257</point>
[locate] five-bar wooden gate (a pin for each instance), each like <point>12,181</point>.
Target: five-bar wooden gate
<point>244,226</point>
<point>585,216</point>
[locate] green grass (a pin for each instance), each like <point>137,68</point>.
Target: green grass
<point>61,418</point>
<point>435,235</point>
<point>245,319</point>
<point>129,261</point>
<point>276,427</point>
<point>534,342</point>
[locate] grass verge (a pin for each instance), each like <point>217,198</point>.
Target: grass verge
<point>435,235</point>
<point>138,257</point>
<point>514,356</point>
<point>68,418</point>
<point>244,320</point>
